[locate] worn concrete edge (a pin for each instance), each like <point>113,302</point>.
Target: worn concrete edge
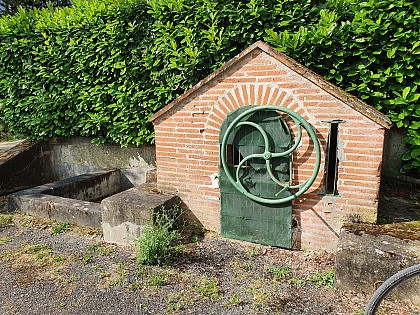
<point>83,213</point>
<point>401,230</point>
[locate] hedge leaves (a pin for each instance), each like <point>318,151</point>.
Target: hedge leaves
<point>101,68</point>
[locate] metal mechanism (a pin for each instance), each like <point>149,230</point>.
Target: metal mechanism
<point>255,173</point>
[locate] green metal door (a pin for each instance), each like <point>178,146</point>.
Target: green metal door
<point>255,175</point>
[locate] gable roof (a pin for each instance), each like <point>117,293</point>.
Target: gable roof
<point>352,101</point>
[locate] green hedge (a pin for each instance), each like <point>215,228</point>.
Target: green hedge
<point>102,68</point>
<point>76,71</point>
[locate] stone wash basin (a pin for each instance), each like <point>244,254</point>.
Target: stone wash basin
<point>72,200</point>
<point>95,200</point>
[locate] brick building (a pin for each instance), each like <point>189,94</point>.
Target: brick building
<point>350,134</point>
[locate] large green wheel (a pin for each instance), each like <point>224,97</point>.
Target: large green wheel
<point>295,190</point>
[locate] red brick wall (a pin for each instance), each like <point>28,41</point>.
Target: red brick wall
<point>187,148</point>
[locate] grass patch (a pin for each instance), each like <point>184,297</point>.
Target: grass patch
<point>207,288</point>
<point>158,280</point>
<point>234,300</point>
<point>38,261</point>
<point>86,259</point>
<point>6,219</point>
<point>60,228</point>
<point>279,272</point>
<point>119,275</point>
<point>298,282</point>
<point>101,249</point>
<point>259,294</point>
<point>323,279</point>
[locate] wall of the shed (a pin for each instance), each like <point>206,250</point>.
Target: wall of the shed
<point>187,148</point>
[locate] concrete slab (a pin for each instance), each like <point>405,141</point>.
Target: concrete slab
<point>125,214</point>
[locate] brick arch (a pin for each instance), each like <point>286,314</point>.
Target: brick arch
<point>253,94</point>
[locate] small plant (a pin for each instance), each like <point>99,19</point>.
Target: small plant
<point>359,312</point>
<point>38,248</point>
<point>104,275</point>
<point>97,267</point>
<point>71,279</point>
<point>133,286</point>
<point>279,271</point>
<point>101,249</point>
<point>154,243</point>
<point>60,228</point>
<point>322,279</point>
<point>180,249</point>
<point>253,252</point>
<point>234,299</point>
<point>6,219</point>
<point>259,294</point>
<point>297,282</point>
<point>86,259</point>
<point>6,239</point>
<point>119,277</point>
<point>174,307</point>
<point>195,239</point>
<point>207,288</point>
<point>158,279</point>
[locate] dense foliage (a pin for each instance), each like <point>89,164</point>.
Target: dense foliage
<point>102,68</point>
<point>12,6</point>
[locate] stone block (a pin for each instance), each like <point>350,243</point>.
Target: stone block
<point>125,214</point>
<point>367,254</point>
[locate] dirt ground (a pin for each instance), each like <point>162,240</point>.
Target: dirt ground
<point>48,268</point>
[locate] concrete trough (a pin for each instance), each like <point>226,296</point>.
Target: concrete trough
<point>70,200</point>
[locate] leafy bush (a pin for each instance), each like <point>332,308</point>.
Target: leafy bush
<point>102,68</point>
<point>323,279</point>
<point>76,71</point>
<point>153,246</point>
<point>12,6</point>
<point>370,48</point>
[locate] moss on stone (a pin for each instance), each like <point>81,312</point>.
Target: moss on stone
<point>404,230</point>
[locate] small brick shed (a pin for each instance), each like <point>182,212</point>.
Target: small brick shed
<point>187,142</point>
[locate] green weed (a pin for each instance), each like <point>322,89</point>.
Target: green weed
<point>60,228</point>
<point>86,259</point>
<point>6,219</point>
<point>158,279</point>
<point>323,279</point>
<point>253,252</point>
<point>234,299</point>
<point>207,288</point>
<point>279,271</point>
<point>6,239</point>
<point>101,249</point>
<point>196,239</point>
<point>297,282</point>
<point>153,246</point>
<point>119,276</point>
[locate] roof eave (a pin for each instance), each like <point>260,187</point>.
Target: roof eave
<point>352,101</point>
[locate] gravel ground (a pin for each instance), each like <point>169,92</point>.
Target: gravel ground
<point>75,272</point>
